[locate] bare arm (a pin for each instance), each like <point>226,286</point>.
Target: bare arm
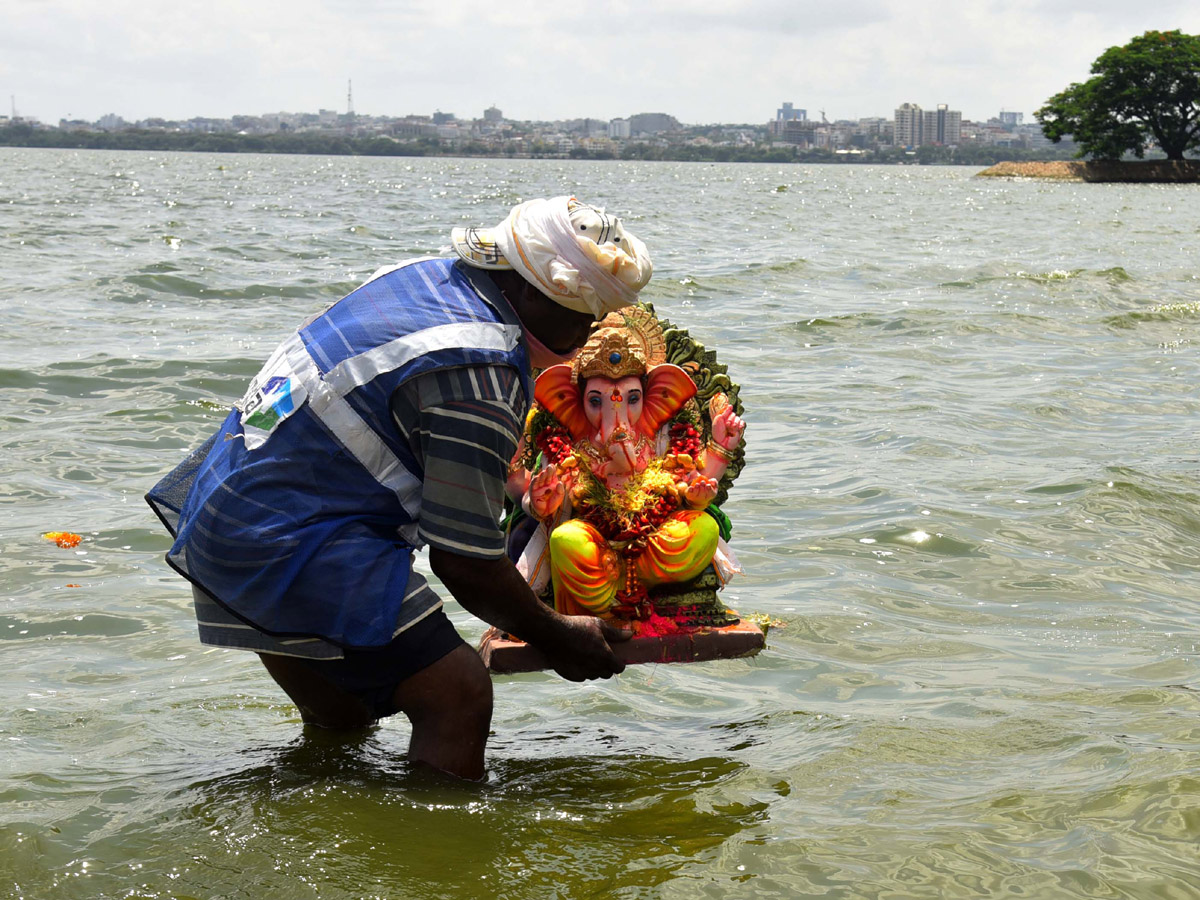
<point>493,590</point>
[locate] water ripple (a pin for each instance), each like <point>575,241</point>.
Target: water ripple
<point>971,496</point>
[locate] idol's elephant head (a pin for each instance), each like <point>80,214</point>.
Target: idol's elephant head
<point>618,416</point>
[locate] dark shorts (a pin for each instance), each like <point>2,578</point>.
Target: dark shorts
<point>372,674</point>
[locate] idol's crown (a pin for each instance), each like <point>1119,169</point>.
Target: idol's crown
<point>611,353</point>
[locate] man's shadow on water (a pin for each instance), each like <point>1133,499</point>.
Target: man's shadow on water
<point>586,817</point>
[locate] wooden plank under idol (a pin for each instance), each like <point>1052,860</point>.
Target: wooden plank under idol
<point>505,655</point>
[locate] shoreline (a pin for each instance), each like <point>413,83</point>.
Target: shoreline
<point>666,157</point>
<point>1155,171</point>
<point>324,144</point>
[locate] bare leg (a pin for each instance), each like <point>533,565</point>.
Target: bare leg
<point>449,704</point>
<point>450,707</point>
<point>320,702</point>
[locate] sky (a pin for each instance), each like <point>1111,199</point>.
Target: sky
<point>702,61</point>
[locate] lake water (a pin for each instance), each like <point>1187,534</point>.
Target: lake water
<point>972,494</point>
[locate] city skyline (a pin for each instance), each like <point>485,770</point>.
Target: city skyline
<point>911,128</point>
<point>115,118</point>
<point>702,61</point>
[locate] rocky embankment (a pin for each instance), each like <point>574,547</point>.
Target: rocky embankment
<point>1157,170</point>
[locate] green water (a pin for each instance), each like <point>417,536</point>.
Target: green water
<point>972,495</point>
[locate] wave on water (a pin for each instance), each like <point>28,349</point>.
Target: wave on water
<point>176,286</point>
<point>907,323</point>
<point>935,543</point>
<point>1113,276</point>
<point>13,628</point>
<point>97,375</point>
<point>1145,497</point>
<point>817,324</point>
<point>782,267</point>
<point>1164,312</point>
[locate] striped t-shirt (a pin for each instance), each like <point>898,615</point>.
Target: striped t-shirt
<point>462,425</point>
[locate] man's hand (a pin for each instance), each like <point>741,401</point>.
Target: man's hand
<point>577,647</point>
<point>585,653</point>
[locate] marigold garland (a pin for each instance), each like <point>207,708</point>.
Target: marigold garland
<point>65,539</point>
<point>632,513</point>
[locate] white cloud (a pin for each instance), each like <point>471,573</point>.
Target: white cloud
<point>700,60</point>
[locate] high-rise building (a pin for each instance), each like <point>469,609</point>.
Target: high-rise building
<point>493,116</point>
<point>950,125</point>
<point>618,129</point>
<point>915,126</point>
<point>942,126</point>
<point>787,113</point>
<point>652,123</point>
<point>1011,119</point>
<point>908,127</point>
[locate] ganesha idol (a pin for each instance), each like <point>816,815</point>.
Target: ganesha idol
<point>620,467</point>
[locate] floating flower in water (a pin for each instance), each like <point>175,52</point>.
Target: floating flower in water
<point>765,621</point>
<point>64,539</point>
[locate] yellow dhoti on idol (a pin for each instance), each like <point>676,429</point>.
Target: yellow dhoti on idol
<point>588,572</point>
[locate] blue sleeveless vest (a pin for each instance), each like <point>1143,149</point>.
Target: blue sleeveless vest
<point>300,514</point>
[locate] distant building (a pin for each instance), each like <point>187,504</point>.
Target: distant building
<point>787,113</point>
<point>870,132</point>
<point>493,116</point>
<point>207,125</point>
<point>441,118</point>
<point>915,127</point>
<point>592,128</point>
<point>1011,119</point>
<point>1033,137</point>
<point>244,124</point>
<point>110,122</point>
<point>651,124</point>
<point>413,127</point>
<point>942,126</point>
<point>798,131</point>
<point>875,126</point>
<point>906,131</point>
<point>618,129</point>
<point>598,145</point>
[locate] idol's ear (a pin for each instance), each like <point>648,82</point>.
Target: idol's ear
<point>556,392</point>
<point>668,388</point>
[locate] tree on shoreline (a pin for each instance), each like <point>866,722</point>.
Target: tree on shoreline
<point>1147,90</point>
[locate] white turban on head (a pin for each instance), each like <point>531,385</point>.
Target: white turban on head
<point>575,254</point>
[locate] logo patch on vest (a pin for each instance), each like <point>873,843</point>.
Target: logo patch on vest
<point>273,395</point>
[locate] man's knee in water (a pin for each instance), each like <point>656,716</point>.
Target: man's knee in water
<point>456,688</point>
